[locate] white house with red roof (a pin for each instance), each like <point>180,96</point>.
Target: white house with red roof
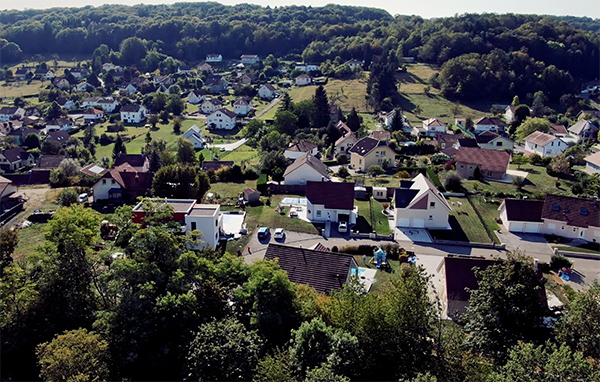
<point>303,80</point>
<point>222,119</point>
<point>432,126</point>
<point>491,164</point>
<point>267,91</point>
<point>543,144</point>
<point>242,106</point>
<point>489,124</point>
<point>330,202</point>
<point>306,168</point>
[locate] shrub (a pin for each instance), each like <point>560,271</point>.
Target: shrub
<point>559,261</point>
<point>342,159</point>
<point>68,197</point>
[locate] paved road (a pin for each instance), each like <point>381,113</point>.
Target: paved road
<point>269,107</point>
<point>228,146</point>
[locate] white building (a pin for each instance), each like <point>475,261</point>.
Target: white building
<point>489,124</point>
<point>109,105</point>
<point>196,96</point>
<point>583,130</point>
<point>133,113</point>
<point>303,80</point>
<point>330,202</point>
<point>242,106</point>
<point>194,135</point>
<point>592,163</point>
<point>419,204</point>
<point>250,59</point>
<point>544,145</point>
<point>214,58</point>
<point>306,168</point>
<point>432,126</point>
<point>211,105</point>
<point>267,91</point>
<point>298,149</point>
<point>221,119</point>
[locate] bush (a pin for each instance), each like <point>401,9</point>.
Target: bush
<point>452,181</point>
<point>68,197</point>
<point>342,159</point>
<point>250,174</point>
<point>559,261</point>
<point>261,183</point>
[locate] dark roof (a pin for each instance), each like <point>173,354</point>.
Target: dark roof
<point>270,87</point>
<point>214,165</point>
<point>576,212</point>
<point>486,137</point>
<point>130,179</point>
<point>324,271</point>
<point>381,135</point>
<point>447,138</point>
<point>489,160</point>
<point>227,112</point>
<point>343,128</point>
<point>364,146</point>
<point>302,146</point>
<point>137,161</point>
<point>524,210</point>
<point>332,195</point>
<point>58,136</point>
<point>403,197</point>
<point>50,161</point>
<point>132,108</point>
<point>310,160</point>
<point>467,142</point>
<point>24,131</point>
<point>558,129</point>
<point>490,121</point>
<point>15,154</point>
<point>9,110</point>
<point>460,275</point>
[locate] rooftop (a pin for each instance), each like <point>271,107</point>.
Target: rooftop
<point>204,210</point>
<point>488,160</point>
<point>540,138</point>
<point>178,205</point>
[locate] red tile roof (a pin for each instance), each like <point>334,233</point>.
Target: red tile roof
<point>576,212</point>
<point>488,160</point>
<point>332,195</point>
<point>540,138</point>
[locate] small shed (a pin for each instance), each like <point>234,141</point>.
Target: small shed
<point>251,196</point>
<point>360,192</point>
<point>380,193</point>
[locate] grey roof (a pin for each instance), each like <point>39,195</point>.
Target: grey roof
<point>364,146</point>
<point>309,160</point>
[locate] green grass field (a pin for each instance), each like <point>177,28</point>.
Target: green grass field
<point>379,221</point>
<point>466,225</point>
<point>345,93</point>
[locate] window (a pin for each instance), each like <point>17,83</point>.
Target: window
<point>318,213</point>
<point>216,223</point>
<point>430,217</point>
<point>498,143</point>
<point>112,181</point>
<point>574,229</point>
<point>383,153</point>
<point>193,226</point>
<point>551,225</point>
<point>584,212</point>
<point>562,227</point>
<point>555,207</point>
<point>103,181</point>
<point>432,205</point>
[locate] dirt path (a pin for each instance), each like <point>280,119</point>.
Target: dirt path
<point>36,198</point>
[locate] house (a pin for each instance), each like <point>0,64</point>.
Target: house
<point>354,64</point>
<point>559,130</point>
<point>490,164</point>
<point>109,65</point>
<point>211,105</point>
<point>65,103</point>
<point>122,184</point>
<point>197,96</point>
<point>242,106</point>
<point>522,215</point>
<point>306,67</point>
<point>15,158</point>
<point>247,79</point>
<point>306,168</point>
<point>489,124</point>
<point>44,73</point>
<point>584,130</point>
<point>59,124</point>
<point>109,105</point>
<point>419,204</point>
<point>566,216</point>
<point>133,113</point>
<point>185,69</point>
<point>217,84</point>
<point>432,126</point>
<point>267,91</point>
<point>93,115</point>
<point>368,152</point>
<point>387,118</point>
<point>61,83</point>
<point>93,170</point>
<point>214,165</point>
<point>448,143</point>
<point>50,162</point>
<point>193,217</point>
<point>59,136</point>
<point>303,79</point>
<point>8,113</point>
<point>204,67</point>
<point>383,136</point>
<point>79,72</point>
<point>194,135</point>
<point>250,59</point>
<point>460,122</point>
<point>330,202</point>
<point>7,187</point>
<point>544,145</point>
<point>296,150</point>
<point>251,196</point>
<point>592,163</point>
<point>588,114</point>
<point>344,143</point>
<point>90,102</point>
<point>18,134</point>
<point>139,162</point>
<point>22,73</point>
<point>325,271</point>
<point>222,119</point>
<point>214,58</point>
<point>494,141</point>
<point>455,276</point>
<point>32,111</point>
<point>84,87</point>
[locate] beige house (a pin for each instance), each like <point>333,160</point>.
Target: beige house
<point>592,163</point>
<point>494,141</point>
<point>368,152</point>
<point>491,164</point>
<point>419,204</point>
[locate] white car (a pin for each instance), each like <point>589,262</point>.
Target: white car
<point>222,149</point>
<point>279,234</point>
<point>343,227</point>
<point>83,198</point>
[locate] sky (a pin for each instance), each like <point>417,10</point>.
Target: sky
<point>424,8</point>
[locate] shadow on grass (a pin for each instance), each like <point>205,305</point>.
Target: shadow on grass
<point>455,234</point>
<point>405,103</point>
<point>362,225</point>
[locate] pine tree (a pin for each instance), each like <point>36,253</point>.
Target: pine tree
<point>155,161</point>
<point>354,120</point>
<point>119,147</point>
<point>321,108</point>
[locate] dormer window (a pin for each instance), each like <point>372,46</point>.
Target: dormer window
<point>584,212</point>
<point>555,207</point>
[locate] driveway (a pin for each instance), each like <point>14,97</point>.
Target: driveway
<point>531,243</point>
<point>228,146</point>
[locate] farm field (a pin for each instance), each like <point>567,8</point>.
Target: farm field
<point>345,93</point>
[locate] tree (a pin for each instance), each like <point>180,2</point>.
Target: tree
<point>76,355</point>
<point>176,125</point>
<point>88,135</point>
<point>522,112</point>
<point>520,160</point>
<point>53,111</point>
<point>181,182</point>
<point>456,109</point>
<point>469,124</point>
<point>417,109</point>
<point>343,173</point>
<point>223,351</point>
<point>286,103</point>
<point>274,163</point>
<point>31,141</point>
<point>397,121</point>
<point>68,197</point>
<point>545,363</point>
<point>452,181</point>
<point>285,122</point>
<point>354,120</point>
<point>320,108</point>
<point>516,101</point>
<point>279,366</point>
<point>155,161</point>
<point>8,242</point>
<point>518,181</point>
<point>508,306</point>
<point>153,120</point>
<point>185,152</point>
<point>119,147</point>
<point>375,170</point>
<point>532,125</point>
<point>579,326</point>
<point>560,165</point>
<point>132,50</point>
<point>175,104</point>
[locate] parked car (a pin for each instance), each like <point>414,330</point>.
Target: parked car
<point>263,232</point>
<point>222,149</point>
<point>343,227</point>
<point>83,198</point>
<point>279,234</point>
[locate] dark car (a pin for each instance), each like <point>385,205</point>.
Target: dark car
<point>263,232</point>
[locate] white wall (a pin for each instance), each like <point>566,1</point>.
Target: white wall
<point>102,187</point>
<point>303,174</point>
<point>433,217</point>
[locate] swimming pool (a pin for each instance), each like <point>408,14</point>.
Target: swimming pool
<point>293,201</point>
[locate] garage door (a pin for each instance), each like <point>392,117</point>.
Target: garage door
<point>419,223</point>
<point>516,227</point>
<point>403,222</point>
<point>532,228</point>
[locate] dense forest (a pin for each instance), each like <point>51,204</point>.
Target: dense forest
<point>189,31</point>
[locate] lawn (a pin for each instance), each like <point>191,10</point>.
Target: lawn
<point>488,212</point>
<point>371,217</point>
<point>466,225</point>
<point>345,93</point>
<point>242,153</point>
<point>593,248</point>
<point>29,239</point>
<point>230,190</point>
